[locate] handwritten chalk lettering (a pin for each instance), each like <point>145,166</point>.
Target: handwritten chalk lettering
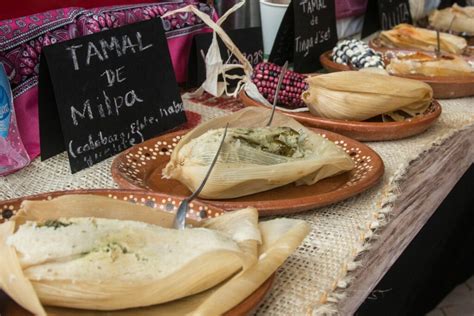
<point>323,36</point>
<point>73,49</point>
<point>400,14</point>
<point>314,20</point>
<point>253,58</point>
<point>172,109</point>
<point>115,75</point>
<point>102,49</point>
<point>141,124</point>
<point>311,6</point>
<point>112,106</point>
<point>303,45</point>
<point>96,142</point>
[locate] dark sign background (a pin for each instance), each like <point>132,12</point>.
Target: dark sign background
<point>283,46</point>
<point>315,32</point>
<point>308,29</point>
<point>385,14</point>
<point>119,90</point>
<point>248,40</point>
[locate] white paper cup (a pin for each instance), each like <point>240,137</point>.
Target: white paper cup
<point>271,14</point>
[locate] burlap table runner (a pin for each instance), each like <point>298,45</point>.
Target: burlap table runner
<point>315,276</point>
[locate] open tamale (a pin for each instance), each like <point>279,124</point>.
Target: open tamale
<point>409,37</point>
<point>419,63</point>
<point>94,262</point>
<point>254,158</point>
<point>361,95</point>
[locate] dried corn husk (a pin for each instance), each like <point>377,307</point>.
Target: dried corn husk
<point>241,170</point>
<point>218,72</point>
<point>410,37</point>
<point>360,95</point>
<point>192,277</point>
<point>456,18</point>
<point>427,65</point>
<point>276,240</point>
<point>280,237</point>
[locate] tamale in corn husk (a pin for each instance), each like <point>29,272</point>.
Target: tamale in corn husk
<point>428,65</point>
<point>254,158</point>
<point>58,276</point>
<point>409,37</point>
<point>361,95</point>
<point>456,18</point>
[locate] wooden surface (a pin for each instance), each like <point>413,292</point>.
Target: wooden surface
<point>429,181</point>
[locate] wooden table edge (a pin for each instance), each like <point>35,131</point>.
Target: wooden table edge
<point>454,157</point>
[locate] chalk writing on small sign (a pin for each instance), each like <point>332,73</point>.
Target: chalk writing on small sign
<point>393,12</point>
<point>103,93</point>
<point>248,40</point>
<point>314,32</point>
<point>385,14</point>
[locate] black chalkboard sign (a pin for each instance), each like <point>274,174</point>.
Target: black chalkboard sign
<point>385,14</point>
<point>248,40</point>
<point>314,32</point>
<point>283,47</point>
<point>105,92</point>
<point>448,3</point>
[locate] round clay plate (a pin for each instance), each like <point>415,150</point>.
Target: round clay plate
<point>140,168</point>
<point>331,66</point>
<point>373,130</point>
<point>198,211</point>
<point>444,87</point>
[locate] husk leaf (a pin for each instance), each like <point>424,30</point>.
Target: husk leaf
<point>195,276</point>
<point>231,179</point>
<point>12,280</point>
<point>456,18</point>
<point>410,37</point>
<point>280,237</point>
<point>360,95</point>
<point>423,64</point>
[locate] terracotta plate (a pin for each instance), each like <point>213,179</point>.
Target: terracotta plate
<point>331,66</point>
<point>140,168</point>
<point>154,200</point>
<point>444,87</point>
<point>374,130</point>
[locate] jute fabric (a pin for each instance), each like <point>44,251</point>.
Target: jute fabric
<point>317,274</point>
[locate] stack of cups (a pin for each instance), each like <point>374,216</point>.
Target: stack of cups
<point>271,13</point>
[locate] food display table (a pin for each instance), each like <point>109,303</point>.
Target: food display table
<point>352,243</point>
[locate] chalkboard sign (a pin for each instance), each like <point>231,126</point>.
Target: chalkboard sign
<point>314,32</point>
<point>385,14</point>
<point>448,3</point>
<point>248,40</point>
<point>283,48</point>
<point>102,93</point>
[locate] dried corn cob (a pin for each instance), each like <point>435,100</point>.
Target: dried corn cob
<point>265,77</point>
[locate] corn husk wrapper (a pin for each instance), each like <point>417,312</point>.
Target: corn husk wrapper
<point>409,37</point>
<point>456,18</point>
<point>277,238</point>
<point>360,95</point>
<point>216,68</point>
<point>230,179</point>
<point>426,65</point>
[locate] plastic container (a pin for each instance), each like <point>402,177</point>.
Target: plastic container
<point>271,14</point>
<point>13,155</point>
